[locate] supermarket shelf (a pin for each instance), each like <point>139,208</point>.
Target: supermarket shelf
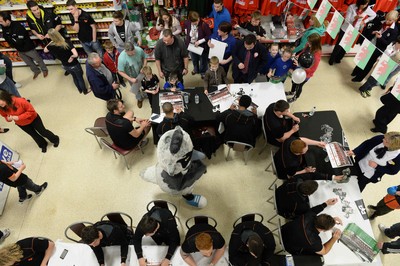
<point>87,10</point>
<point>80,2</point>
<point>96,20</point>
<point>21,7</point>
<point>98,30</point>
<point>14,50</point>
<point>99,38</point>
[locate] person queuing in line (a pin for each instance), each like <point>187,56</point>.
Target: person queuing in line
<point>122,31</point>
<point>35,251</point>
<point>240,124</point>
<point>101,79</point>
<point>171,55</point>
<point>314,47</point>
<point>220,14</point>
<point>281,67</point>
<point>203,238</point>
<point>292,197</point>
<point>197,33</point>
<point>106,233</point>
<point>166,21</point>
<point>384,36</point>
<point>83,23</point>
<point>18,37</point>
<point>393,51</point>
<point>6,83</point>
<point>301,236</point>
<point>388,204</point>
<point>172,119</point>
<point>24,115</point>
<point>4,234</point>
<point>357,15</point>
<point>223,34</point>
<point>391,232</point>
<point>14,177</point>
<point>9,67</point>
<point>130,64</point>
<point>279,123</point>
<point>249,57</point>
<point>65,51</point>
<point>251,243</point>
<point>386,113</point>
<point>150,84</point>
<point>120,128</point>
<point>160,225</point>
<point>254,26</point>
<point>215,75</point>
<point>173,83</point>
<point>376,157</point>
<point>272,55</point>
<point>110,60</point>
<point>315,27</point>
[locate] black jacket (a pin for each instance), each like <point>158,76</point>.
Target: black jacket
<point>18,37</point>
<point>49,20</point>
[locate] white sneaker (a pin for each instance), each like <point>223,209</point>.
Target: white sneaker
<point>6,233</point>
<point>18,85</point>
<point>382,227</point>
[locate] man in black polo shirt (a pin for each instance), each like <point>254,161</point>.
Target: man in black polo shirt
<point>203,238</point>
<point>119,126</point>
<point>252,243</point>
<point>279,123</point>
<point>159,224</point>
<point>85,26</point>
<point>171,56</point>
<point>301,236</point>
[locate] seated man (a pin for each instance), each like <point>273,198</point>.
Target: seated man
<point>106,233</point>
<point>171,120</point>
<point>119,126</point>
<point>292,197</point>
<point>240,124</point>
<point>279,123</point>
<point>160,225</point>
<point>203,238</point>
<point>100,78</point>
<point>252,243</point>
<point>289,159</point>
<point>301,236</point>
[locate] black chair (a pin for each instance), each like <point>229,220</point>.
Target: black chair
<point>165,205</point>
<point>77,229</point>
<point>272,200</point>
<point>249,218</point>
<point>119,218</point>
<point>272,168</point>
<point>201,219</point>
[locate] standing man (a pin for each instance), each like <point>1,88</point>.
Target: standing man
<point>18,37</point>
<point>122,31</point>
<point>40,21</point>
<point>85,26</point>
<point>130,64</point>
<point>100,78</point>
<point>249,57</point>
<point>119,126</point>
<point>220,14</point>
<point>160,225</point>
<point>171,56</point>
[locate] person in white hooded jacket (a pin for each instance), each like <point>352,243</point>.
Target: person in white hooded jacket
<point>122,31</point>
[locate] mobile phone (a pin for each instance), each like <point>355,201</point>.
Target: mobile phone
<point>63,254</point>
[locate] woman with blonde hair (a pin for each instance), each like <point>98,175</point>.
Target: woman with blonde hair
<point>166,21</point>
<point>65,51</point>
<point>376,157</point>
<point>34,251</point>
<point>315,27</point>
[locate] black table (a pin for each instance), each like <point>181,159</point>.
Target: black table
<point>313,127</point>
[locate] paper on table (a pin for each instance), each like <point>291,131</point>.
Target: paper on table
<point>197,50</point>
<point>156,118</point>
<point>218,50</point>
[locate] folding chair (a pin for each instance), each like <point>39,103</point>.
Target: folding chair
<point>77,229</point>
<point>249,218</point>
<point>240,147</point>
<point>99,129</point>
<point>119,218</point>
<point>117,150</point>
<point>201,219</point>
<point>273,198</point>
<point>264,134</point>
<point>280,237</point>
<point>273,170</point>
<point>165,205</point>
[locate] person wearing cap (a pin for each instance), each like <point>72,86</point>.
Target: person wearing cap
<point>252,243</point>
<point>240,124</point>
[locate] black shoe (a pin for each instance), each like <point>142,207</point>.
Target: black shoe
<point>372,207</point>
<point>372,217</point>
<point>44,149</point>
<point>292,100</point>
<point>376,130</point>
<point>289,93</point>
<point>383,87</point>
<point>66,73</point>
<point>353,73</point>
<point>28,197</point>
<point>42,188</point>
<point>355,79</point>
<point>87,92</point>
<point>57,142</point>
<point>330,62</point>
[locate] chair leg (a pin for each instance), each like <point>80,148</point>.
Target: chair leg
<point>270,219</point>
<point>227,155</point>
<point>98,142</point>
<point>270,200</point>
<point>272,185</point>
<point>263,148</point>
<point>246,156</point>
<point>115,155</point>
<point>126,162</point>
<point>269,165</point>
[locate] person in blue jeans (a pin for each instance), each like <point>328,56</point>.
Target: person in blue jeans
<point>67,54</point>
<point>6,83</point>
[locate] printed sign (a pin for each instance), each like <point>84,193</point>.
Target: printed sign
<point>361,208</point>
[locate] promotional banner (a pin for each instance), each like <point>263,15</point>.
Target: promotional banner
<point>396,89</point>
<point>349,38</point>
<point>323,11</point>
<point>383,68</point>
<point>364,54</point>
<point>311,3</point>
<point>335,24</point>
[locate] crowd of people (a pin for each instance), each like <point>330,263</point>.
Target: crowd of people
<point>122,61</point>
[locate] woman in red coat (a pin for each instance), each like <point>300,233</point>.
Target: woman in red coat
<point>24,115</point>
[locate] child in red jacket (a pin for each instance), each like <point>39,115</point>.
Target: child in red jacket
<point>110,60</point>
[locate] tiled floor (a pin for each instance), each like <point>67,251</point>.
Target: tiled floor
<point>85,182</point>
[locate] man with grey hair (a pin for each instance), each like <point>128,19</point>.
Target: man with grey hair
<point>171,56</point>
<point>130,64</point>
<point>100,78</point>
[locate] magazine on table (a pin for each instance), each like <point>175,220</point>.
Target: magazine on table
<point>220,99</point>
<point>175,98</point>
<point>337,155</point>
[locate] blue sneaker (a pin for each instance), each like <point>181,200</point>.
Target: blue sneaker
<point>198,201</point>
